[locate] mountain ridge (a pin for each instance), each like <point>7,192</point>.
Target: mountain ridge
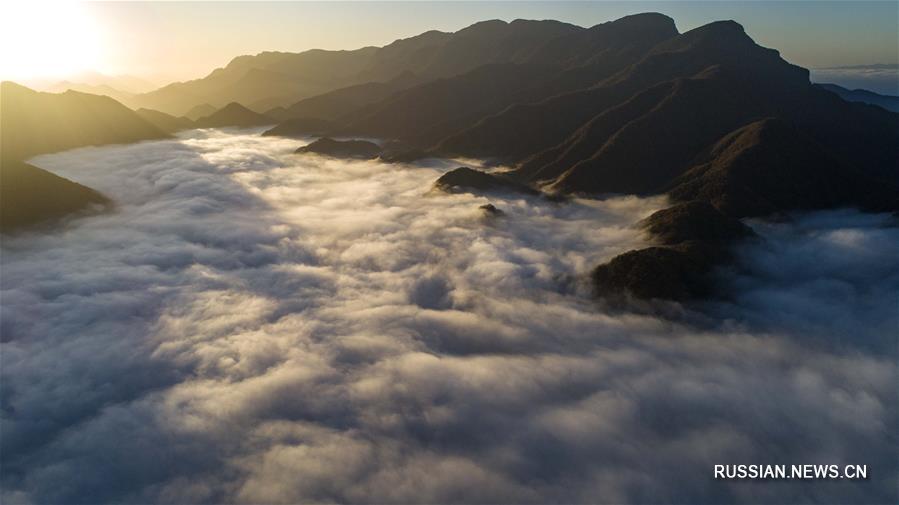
<point>37,122</point>
<point>726,128</point>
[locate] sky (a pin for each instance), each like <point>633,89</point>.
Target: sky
<point>165,41</point>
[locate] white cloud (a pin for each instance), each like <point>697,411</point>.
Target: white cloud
<point>256,326</point>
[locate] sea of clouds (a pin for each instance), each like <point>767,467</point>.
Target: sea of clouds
<point>255,326</point>
<point>879,78</point>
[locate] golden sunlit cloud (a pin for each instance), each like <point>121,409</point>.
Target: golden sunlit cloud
<point>48,39</point>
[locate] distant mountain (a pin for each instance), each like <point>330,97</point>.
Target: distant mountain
<point>93,89</point>
<point>526,128</point>
<point>631,106</point>
<point>127,83</point>
<point>274,79</point>
<point>708,116</point>
<point>198,111</point>
<point>661,113</point>
<point>426,113</point>
<point>727,128</point>
<point>165,122</point>
<point>882,78</point>
<point>888,102</point>
<point>36,123</point>
<point>233,114</point>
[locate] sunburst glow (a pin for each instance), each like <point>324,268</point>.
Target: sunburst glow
<point>48,39</point>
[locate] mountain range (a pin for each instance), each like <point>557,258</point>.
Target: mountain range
<point>37,123</point>
<point>888,102</point>
<point>708,117</point>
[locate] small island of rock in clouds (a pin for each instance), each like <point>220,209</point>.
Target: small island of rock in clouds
<point>523,261</point>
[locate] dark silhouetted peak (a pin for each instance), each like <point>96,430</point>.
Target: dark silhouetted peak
<point>359,149</point>
<point>233,114</point>
<point>642,23</point>
<point>725,33</point>
<point>233,108</point>
<point>483,27</point>
<point>666,273</point>
<point>692,221</point>
<point>490,210</point>
<point>724,42</point>
<point>428,38</point>
<point>469,180</point>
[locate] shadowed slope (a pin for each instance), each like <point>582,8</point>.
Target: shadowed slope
<point>527,129</point>
<point>428,112</point>
<point>290,77</point>
<point>36,123</point>
<point>30,195</point>
<point>769,167</point>
<point>425,114</point>
<point>337,103</point>
<point>694,237</point>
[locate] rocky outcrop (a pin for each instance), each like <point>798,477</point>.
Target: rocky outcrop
<point>668,273</point>
<point>469,180</point>
<point>693,239</point>
<point>358,149</point>
<point>401,152</point>
<point>490,210</point>
<point>694,222</point>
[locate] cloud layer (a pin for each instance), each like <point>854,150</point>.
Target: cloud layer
<point>880,78</point>
<point>256,326</point>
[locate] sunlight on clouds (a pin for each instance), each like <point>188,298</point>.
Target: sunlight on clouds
<point>281,328</point>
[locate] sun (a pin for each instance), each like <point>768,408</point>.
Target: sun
<point>47,40</point>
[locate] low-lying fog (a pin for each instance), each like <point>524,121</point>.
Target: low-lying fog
<point>256,326</point>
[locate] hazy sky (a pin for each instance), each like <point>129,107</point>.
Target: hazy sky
<point>175,40</point>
